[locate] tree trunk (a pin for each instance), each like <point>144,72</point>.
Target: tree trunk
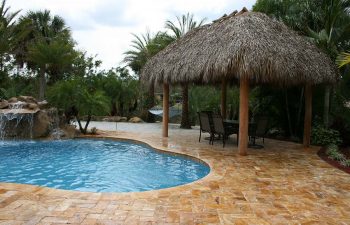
<point>42,84</point>
<point>327,94</point>
<point>185,120</point>
<point>87,124</point>
<point>114,109</point>
<point>288,115</point>
<point>223,99</point>
<point>121,113</point>
<point>79,123</point>
<point>300,108</point>
<point>308,116</point>
<point>150,104</point>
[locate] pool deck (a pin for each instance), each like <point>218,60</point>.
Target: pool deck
<point>280,184</point>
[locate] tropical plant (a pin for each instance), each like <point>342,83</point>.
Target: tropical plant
<point>324,136</point>
<point>75,98</point>
<point>336,30</point>
<point>343,59</point>
<point>299,15</point>
<point>47,48</point>
<point>178,29</point>
<point>326,22</point>
<point>122,89</point>
<point>8,31</point>
<point>143,48</point>
<point>333,153</point>
<point>56,55</point>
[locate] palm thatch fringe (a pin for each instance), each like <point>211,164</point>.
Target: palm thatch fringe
<point>243,44</point>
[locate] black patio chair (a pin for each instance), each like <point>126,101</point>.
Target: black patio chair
<point>220,129</point>
<point>205,124</point>
<point>258,130</point>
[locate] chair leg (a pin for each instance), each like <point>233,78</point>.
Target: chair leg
<point>223,141</point>
<point>254,138</point>
<point>200,134</point>
<point>263,140</point>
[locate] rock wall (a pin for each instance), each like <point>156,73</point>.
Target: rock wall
<point>25,117</point>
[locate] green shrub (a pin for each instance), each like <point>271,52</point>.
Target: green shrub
<point>333,153</point>
<point>93,130</point>
<point>325,136</point>
<point>345,163</point>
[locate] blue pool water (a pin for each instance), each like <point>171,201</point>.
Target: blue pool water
<point>94,166</point>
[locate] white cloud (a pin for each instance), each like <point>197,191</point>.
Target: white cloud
<point>104,27</point>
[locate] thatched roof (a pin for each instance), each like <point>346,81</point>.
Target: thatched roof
<point>244,44</point>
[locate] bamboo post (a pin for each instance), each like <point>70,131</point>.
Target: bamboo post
<point>165,109</point>
<point>243,116</point>
<point>308,116</point>
<point>223,98</point>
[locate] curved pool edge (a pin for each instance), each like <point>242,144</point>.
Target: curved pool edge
<point>157,149</point>
<point>74,193</point>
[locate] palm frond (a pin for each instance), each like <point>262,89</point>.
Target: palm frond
<point>343,59</point>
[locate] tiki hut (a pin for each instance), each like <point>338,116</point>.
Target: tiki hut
<point>246,47</point>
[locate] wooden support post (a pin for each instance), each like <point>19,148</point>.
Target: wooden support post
<point>308,116</point>
<point>165,109</point>
<point>243,116</point>
<point>223,98</point>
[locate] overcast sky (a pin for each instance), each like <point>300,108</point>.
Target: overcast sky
<point>104,27</point>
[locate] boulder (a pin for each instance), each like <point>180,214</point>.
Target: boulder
<point>123,119</point>
<point>69,131</point>
<point>43,104</point>
<point>42,124</point>
<point>4,104</point>
<point>28,99</point>
<point>136,120</point>
<point>115,119</point>
<point>13,100</point>
<point>33,106</point>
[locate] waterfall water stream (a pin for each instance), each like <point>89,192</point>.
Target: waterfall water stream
<point>25,117</point>
<point>11,119</point>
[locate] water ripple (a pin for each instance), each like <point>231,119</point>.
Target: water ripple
<point>94,166</point>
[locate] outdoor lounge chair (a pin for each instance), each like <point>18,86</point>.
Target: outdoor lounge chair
<point>205,124</point>
<point>220,129</point>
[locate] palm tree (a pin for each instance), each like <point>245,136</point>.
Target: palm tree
<point>47,48</point>
<point>138,56</point>
<point>46,26</point>
<point>183,24</point>
<point>54,56</point>
<point>143,48</point>
<point>335,31</point>
<point>8,35</point>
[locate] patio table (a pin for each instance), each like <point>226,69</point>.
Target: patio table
<point>252,125</point>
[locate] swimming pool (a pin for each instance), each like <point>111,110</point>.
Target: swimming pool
<point>95,165</point>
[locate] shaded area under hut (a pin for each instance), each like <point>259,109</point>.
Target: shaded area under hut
<point>249,48</point>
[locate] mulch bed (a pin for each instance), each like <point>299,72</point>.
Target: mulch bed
<point>346,151</point>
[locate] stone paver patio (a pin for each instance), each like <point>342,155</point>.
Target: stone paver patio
<point>280,184</point>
